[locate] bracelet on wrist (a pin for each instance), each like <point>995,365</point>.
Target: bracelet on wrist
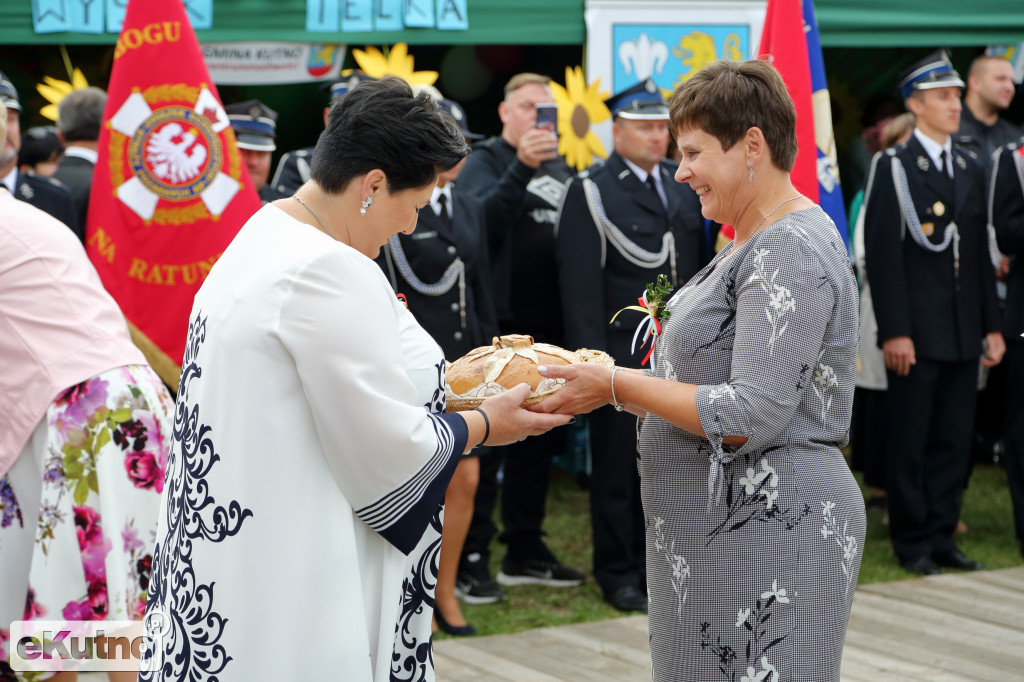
<point>615,401</point>
<point>487,425</point>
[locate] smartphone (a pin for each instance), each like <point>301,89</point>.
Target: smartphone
<point>547,117</point>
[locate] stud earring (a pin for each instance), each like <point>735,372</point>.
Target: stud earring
<point>750,167</point>
<point>365,204</point>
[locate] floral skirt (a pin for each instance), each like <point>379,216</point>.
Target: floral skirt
<point>78,510</point>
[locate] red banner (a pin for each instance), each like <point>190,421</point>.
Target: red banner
<point>783,40</point>
<point>169,190</point>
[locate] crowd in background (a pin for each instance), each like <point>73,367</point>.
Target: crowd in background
<point>515,241</point>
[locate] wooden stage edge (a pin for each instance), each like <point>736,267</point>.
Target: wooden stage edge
<point>946,628</point>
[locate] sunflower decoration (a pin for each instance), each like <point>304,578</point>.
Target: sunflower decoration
<point>55,90</point>
<point>395,61</point>
<point>579,107</point>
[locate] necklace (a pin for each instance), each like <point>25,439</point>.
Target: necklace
<point>765,216</point>
<point>762,217</point>
<point>315,216</point>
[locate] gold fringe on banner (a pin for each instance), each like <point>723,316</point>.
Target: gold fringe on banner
<point>168,370</point>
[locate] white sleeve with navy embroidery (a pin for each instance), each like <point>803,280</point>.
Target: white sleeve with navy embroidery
<point>302,511</point>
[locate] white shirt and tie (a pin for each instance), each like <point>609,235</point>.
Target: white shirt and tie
<point>640,173</point>
<point>940,154</point>
<point>441,200</point>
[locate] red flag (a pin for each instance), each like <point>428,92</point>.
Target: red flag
<point>784,43</point>
<point>170,189</point>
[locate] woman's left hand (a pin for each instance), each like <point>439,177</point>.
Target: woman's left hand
<point>587,387</point>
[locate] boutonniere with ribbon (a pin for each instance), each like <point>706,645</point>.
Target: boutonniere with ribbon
<point>653,303</point>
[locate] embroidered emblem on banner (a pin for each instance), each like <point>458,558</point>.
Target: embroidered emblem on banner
<point>167,156</point>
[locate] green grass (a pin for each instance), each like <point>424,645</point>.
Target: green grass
<point>986,511</point>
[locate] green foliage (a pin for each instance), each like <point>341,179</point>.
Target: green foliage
<point>986,511</point>
<point>658,294</point>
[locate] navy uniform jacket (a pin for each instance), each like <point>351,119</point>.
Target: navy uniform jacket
<point>916,292</point>
<point>430,249</point>
<point>521,206</point>
<point>51,196</point>
<point>268,193</point>
<point>1008,220</point>
<point>292,171</point>
<point>591,295</point>
<point>76,174</point>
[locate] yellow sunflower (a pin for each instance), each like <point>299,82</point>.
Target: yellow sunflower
<point>579,107</point>
<point>397,62</point>
<point>55,90</point>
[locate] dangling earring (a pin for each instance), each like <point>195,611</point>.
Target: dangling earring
<point>365,203</point>
<point>750,167</point>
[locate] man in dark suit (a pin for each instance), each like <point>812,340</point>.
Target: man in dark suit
<point>1007,216</point>
<point>519,176</point>
<point>453,301</point>
<point>255,127</point>
<point>293,168</point>
<point>44,193</point>
<point>933,289</point>
<point>622,224</point>
<point>443,271</point>
<point>79,117</point>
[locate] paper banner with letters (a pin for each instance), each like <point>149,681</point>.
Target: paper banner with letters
<point>263,63</point>
<point>322,16</point>
<point>357,16</point>
<point>89,16</point>
<point>665,41</point>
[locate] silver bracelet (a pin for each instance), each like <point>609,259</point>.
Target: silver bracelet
<point>615,401</point>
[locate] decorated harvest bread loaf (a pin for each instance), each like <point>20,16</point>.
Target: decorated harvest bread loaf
<point>509,361</point>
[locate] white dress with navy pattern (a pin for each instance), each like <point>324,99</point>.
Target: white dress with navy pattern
<point>301,524</point>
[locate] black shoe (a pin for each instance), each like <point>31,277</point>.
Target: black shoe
<point>922,565</point>
<point>538,572</point>
<point>957,559</point>
<point>453,630</point>
<point>474,584</point>
<point>628,598</point>
<point>472,590</point>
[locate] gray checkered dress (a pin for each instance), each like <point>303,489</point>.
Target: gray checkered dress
<point>753,553</point>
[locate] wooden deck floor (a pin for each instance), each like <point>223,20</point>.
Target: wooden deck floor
<point>947,628</point>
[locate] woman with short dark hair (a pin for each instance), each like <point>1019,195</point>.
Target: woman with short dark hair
<point>754,521</point>
<point>310,459</point>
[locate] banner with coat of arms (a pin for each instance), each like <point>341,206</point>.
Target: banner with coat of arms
<point>666,41</point>
<point>169,190</point>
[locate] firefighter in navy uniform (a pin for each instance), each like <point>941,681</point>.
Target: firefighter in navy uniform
<point>1007,217</point>
<point>255,127</point>
<point>622,224</point>
<point>519,177</point>
<point>442,267</point>
<point>933,289</point>
<point>293,168</point>
<point>443,271</point>
<point>44,193</point>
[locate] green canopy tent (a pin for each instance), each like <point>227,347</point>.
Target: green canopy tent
<point>843,23</point>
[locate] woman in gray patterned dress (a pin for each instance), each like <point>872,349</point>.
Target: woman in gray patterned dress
<point>754,521</point>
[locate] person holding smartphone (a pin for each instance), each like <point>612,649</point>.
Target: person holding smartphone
<point>520,178</point>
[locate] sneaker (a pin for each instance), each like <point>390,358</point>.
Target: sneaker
<point>538,572</point>
<point>474,585</point>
